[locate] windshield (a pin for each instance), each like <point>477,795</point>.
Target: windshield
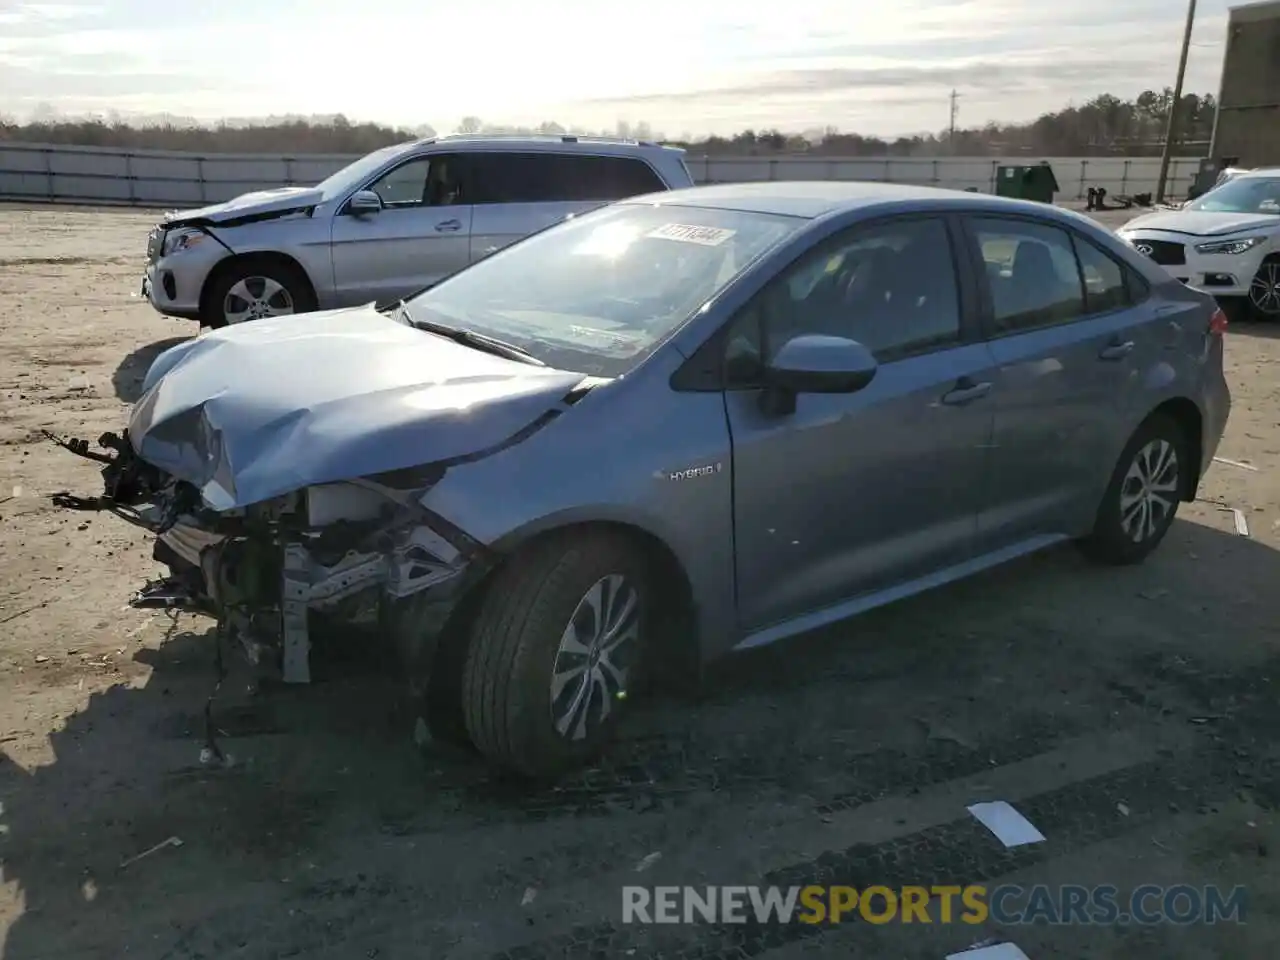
<point>598,293</point>
<point>1241,195</point>
<point>353,173</point>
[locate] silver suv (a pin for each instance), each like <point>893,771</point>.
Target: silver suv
<point>389,224</point>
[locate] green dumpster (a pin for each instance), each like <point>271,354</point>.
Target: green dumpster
<point>1027,183</point>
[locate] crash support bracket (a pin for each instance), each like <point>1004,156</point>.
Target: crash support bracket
<point>295,591</point>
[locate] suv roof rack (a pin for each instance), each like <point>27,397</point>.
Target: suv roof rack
<point>549,137</point>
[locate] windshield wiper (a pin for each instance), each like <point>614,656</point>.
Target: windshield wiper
<point>399,311</point>
<point>468,338</point>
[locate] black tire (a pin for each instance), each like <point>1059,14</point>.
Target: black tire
<point>1269,273</point>
<point>506,684</point>
<point>1109,542</point>
<point>291,279</point>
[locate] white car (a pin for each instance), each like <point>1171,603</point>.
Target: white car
<point>1226,242</point>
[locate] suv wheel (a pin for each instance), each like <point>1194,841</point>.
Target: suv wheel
<point>1143,495</point>
<point>255,289</point>
<point>1264,290</point>
<point>552,653</point>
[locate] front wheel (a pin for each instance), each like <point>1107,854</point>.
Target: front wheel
<point>253,290</point>
<point>1143,496</point>
<point>1264,290</point>
<point>552,653</point>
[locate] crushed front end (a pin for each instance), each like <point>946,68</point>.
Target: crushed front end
<point>354,553</point>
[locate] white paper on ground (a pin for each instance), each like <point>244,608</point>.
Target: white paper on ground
<point>1242,525</point>
<point>1010,827</point>
<point>1001,951</point>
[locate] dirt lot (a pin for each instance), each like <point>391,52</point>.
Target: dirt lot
<point>1129,714</point>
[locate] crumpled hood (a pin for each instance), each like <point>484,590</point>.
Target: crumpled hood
<point>264,408</point>
<point>1202,223</point>
<point>280,200</point>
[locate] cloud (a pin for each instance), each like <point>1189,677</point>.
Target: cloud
<point>27,19</point>
<point>1009,59</point>
<point>710,65</point>
<point>995,75</point>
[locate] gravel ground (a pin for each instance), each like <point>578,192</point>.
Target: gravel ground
<point>1128,713</point>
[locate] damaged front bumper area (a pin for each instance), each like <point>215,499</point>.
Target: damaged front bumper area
<point>354,554</point>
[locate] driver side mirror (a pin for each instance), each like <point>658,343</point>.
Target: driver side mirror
<point>815,364</point>
<point>364,203</point>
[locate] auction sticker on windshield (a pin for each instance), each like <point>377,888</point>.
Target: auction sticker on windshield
<point>686,233</point>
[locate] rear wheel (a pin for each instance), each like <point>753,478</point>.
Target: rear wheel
<point>254,289</point>
<point>553,651</point>
<point>1143,496</point>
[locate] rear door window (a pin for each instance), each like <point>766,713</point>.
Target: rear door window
<point>514,178</point>
<point>1031,272</point>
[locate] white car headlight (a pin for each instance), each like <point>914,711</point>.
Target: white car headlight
<point>181,238</point>
<point>1229,247</point>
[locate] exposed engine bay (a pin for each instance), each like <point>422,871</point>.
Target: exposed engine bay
<point>357,552</point>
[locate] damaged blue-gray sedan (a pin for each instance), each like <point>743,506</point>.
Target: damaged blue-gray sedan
<point>684,424</point>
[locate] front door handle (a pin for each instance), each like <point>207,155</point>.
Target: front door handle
<point>966,391</point>
<point>448,226</point>
<point>1116,351</point>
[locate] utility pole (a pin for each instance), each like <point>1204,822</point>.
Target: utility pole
<point>955,108</point>
<point>1171,126</point>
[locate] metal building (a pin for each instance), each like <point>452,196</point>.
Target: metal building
<point>1247,125</point>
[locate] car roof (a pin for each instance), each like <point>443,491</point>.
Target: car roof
<point>818,198</point>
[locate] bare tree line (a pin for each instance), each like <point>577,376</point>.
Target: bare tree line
<point>1104,126</point>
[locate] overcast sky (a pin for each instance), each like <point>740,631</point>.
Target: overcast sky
<point>698,66</point>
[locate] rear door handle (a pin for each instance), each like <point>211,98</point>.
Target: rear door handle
<point>966,391</point>
<point>448,226</point>
<point>1116,351</point>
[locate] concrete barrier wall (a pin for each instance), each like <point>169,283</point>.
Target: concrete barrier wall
<point>158,178</point>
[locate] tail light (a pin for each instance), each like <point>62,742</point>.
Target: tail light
<point>1218,322</point>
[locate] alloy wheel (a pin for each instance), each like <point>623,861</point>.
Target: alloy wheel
<point>1149,493</point>
<point>1264,289</point>
<point>596,653</point>
<point>253,298</point>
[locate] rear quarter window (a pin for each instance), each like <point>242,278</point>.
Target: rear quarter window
<point>1139,287</point>
<point>502,177</point>
<point>608,178</point>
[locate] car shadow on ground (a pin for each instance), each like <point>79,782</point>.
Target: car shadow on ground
<point>1264,329</point>
<point>314,770</point>
<point>128,377</point>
